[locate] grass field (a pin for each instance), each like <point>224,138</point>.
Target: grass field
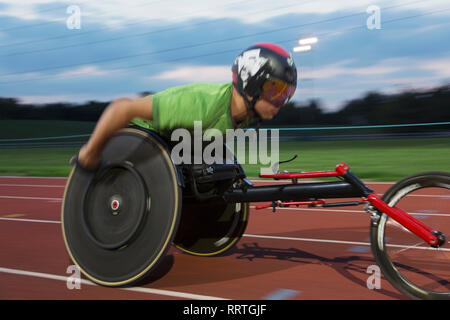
<point>376,160</point>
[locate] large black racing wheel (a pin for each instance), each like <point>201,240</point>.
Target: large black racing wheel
<point>119,221</point>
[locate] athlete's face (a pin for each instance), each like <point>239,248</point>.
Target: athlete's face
<point>265,109</point>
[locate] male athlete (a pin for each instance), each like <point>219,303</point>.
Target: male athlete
<point>264,79</point>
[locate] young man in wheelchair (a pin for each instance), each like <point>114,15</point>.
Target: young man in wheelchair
<point>264,79</point>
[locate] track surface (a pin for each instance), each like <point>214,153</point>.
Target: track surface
<point>295,253</point>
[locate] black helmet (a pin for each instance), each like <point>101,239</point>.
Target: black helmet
<point>267,71</point>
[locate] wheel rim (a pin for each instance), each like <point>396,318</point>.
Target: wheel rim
<point>115,205</point>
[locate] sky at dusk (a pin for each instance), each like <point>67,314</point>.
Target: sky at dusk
<point>61,51</point>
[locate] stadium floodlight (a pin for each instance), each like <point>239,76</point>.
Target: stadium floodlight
<point>307,41</point>
<point>302,48</point>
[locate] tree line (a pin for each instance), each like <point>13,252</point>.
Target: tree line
<point>373,108</point>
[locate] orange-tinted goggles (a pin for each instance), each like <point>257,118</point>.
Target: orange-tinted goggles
<point>277,92</point>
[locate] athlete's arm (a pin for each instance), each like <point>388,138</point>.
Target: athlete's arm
<point>115,117</point>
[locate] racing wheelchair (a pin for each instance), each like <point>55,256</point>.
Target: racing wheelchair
<point>119,221</point>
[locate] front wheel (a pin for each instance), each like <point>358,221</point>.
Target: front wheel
<point>410,264</point>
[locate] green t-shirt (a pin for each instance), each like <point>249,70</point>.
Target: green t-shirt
<point>179,107</point>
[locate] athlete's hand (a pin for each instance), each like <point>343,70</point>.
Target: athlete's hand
<point>87,158</point>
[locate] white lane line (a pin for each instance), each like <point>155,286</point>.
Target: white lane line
<point>245,235</point>
<point>322,210</point>
<point>31,185</point>
<point>250,235</point>
<point>62,186</point>
<point>30,198</point>
<point>253,180</point>
<point>60,199</point>
<point>312,209</point>
<point>134,289</point>
<point>267,237</point>
<point>307,239</point>
<point>319,211</point>
<point>31,177</point>
<point>342,242</point>
<point>30,220</point>
<point>308,181</point>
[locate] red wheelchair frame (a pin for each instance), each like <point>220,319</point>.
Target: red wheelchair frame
<point>373,202</point>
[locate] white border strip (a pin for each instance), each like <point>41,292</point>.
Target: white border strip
<point>176,294</point>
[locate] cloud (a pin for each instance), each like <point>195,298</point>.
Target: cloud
<point>71,98</point>
<point>341,68</point>
<point>43,99</point>
<point>87,71</point>
<point>27,10</point>
<point>440,67</point>
<point>196,74</point>
<point>169,11</point>
<point>437,68</point>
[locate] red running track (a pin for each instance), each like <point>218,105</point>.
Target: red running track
<point>297,254</point>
